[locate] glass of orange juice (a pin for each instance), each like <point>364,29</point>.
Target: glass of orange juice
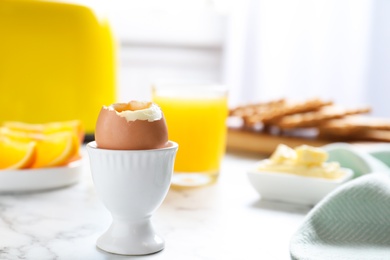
<point>196,119</point>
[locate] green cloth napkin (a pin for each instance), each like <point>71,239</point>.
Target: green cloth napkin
<point>359,160</point>
<point>381,152</point>
<point>353,221</point>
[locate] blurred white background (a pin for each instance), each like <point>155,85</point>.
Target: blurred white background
<point>261,49</point>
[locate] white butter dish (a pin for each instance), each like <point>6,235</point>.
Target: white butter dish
<point>293,188</point>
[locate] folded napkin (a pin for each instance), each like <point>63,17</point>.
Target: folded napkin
<point>353,221</point>
<point>361,161</point>
<point>381,152</point>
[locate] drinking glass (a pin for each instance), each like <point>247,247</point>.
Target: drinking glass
<point>196,118</point>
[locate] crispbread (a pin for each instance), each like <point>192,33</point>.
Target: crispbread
<point>274,113</point>
<point>353,124</point>
<point>323,119</point>
<point>255,108</point>
<point>316,118</point>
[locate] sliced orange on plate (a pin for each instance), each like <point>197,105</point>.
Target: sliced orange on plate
<point>20,136</point>
<point>56,144</point>
<point>17,155</point>
<point>47,128</point>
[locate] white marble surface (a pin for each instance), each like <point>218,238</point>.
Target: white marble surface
<point>227,220</point>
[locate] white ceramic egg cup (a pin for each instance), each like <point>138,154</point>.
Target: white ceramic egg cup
<point>132,184</point>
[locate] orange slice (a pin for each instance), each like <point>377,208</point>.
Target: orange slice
<point>56,149</point>
<point>21,136</point>
<point>48,128</point>
<point>16,155</point>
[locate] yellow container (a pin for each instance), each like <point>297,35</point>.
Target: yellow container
<point>57,62</point>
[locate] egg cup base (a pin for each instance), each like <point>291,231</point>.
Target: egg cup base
<point>125,237</point>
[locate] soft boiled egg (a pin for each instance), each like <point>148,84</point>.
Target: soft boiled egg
<point>136,125</point>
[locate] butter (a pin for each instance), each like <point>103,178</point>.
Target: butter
<point>310,156</point>
<point>303,160</point>
<point>283,154</point>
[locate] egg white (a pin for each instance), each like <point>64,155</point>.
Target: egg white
<point>152,113</point>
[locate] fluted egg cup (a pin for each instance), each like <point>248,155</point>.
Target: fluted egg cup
<point>132,184</point>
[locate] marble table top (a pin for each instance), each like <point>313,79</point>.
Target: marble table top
<point>227,220</point>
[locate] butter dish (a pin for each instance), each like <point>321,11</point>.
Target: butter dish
<point>301,175</point>
<point>294,188</point>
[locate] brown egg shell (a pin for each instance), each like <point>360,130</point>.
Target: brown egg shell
<point>114,132</point>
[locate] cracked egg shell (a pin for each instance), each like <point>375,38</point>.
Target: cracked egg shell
<point>131,126</point>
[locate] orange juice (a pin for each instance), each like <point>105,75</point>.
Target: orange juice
<point>198,124</point>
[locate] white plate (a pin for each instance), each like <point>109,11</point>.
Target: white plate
<point>39,179</point>
<point>293,188</point>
